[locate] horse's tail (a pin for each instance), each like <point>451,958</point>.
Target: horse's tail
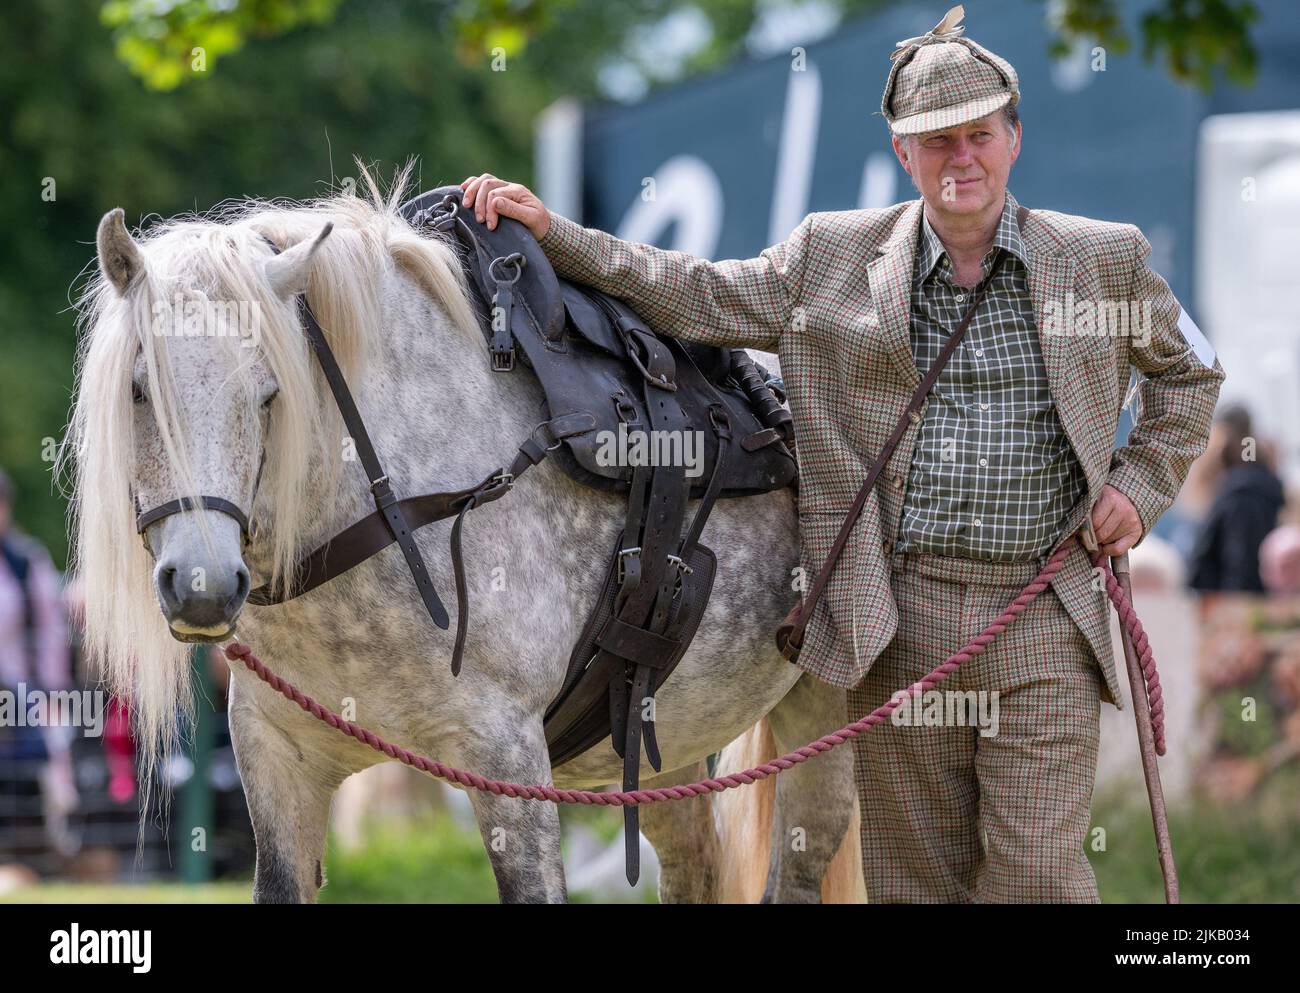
<point>744,819</point>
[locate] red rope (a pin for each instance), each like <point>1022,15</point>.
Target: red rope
<point>1128,618</point>
<point>977,645</point>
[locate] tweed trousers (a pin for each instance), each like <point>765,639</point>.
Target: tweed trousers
<point>986,797</point>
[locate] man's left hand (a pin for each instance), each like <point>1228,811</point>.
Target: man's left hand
<point>1116,522</point>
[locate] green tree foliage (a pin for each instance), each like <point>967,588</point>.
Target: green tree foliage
<point>160,42</point>
<point>1194,39</point>
<point>166,43</point>
<point>80,134</point>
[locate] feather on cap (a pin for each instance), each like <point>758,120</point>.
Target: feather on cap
<point>946,30</point>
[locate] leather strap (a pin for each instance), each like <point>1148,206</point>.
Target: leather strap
<point>142,521</point>
<point>145,518</point>
<point>910,415</point>
<point>372,534</point>
<point>386,502</point>
<point>646,605</point>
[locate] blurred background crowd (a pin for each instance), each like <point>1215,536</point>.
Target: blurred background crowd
<point>70,802</point>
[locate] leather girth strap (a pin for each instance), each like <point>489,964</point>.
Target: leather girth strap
<point>629,647</point>
<point>651,604</point>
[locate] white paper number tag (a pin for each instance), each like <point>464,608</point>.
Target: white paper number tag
<point>1193,336</point>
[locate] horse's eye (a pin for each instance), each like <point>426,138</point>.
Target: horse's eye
<point>266,404</point>
<point>138,394</point>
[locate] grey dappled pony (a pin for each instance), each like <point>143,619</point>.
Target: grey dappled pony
<point>163,411</point>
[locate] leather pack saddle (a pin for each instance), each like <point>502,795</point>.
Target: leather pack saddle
<point>612,385</point>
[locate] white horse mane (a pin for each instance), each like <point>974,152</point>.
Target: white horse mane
<point>220,255</point>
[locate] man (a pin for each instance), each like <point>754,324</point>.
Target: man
<point>1012,453</point>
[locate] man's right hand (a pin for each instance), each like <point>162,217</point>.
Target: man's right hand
<point>491,198</point>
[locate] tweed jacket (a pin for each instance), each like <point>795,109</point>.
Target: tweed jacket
<point>833,302</point>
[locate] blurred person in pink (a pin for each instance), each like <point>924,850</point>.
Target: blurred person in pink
<point>36,787</point>
<point>1279,560</point>
<point>33,625</point>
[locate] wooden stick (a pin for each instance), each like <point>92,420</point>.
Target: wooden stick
<point>1146,741</point>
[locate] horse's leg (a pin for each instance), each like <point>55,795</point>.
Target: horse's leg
<point>684,839</point>
<point>288,790</point>
<point>814,800</point>
<point>522,837</point>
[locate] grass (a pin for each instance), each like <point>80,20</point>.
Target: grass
<point>77,893</point>
<point>428,861</point>
<point>1247,853</point>
<point>435,861</point>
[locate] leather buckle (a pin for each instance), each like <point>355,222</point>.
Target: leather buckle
<point>383,494</point>
<point>549,431</point>
<point>635,345</point>
<point>626,410</point>
<point>503,360</point>
<point>497,481</point>
<point>681,570</point>
<point>623,555</point>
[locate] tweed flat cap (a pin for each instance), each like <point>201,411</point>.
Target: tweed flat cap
<point>940,80</point>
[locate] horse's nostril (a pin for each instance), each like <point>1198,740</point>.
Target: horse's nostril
<point>242,585</point>
<point>167,585</point>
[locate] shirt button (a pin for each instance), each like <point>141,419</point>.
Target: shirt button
<point>984,462</point>
<point>984,406</point>
<point>976,522</point>
<point>979,352</point>
<point>961,297</point>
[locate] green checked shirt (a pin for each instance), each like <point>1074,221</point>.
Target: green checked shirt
<point>993,475</point>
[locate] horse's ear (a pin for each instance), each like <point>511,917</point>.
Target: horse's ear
<point>120,257</point>
<point>287,272</point>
